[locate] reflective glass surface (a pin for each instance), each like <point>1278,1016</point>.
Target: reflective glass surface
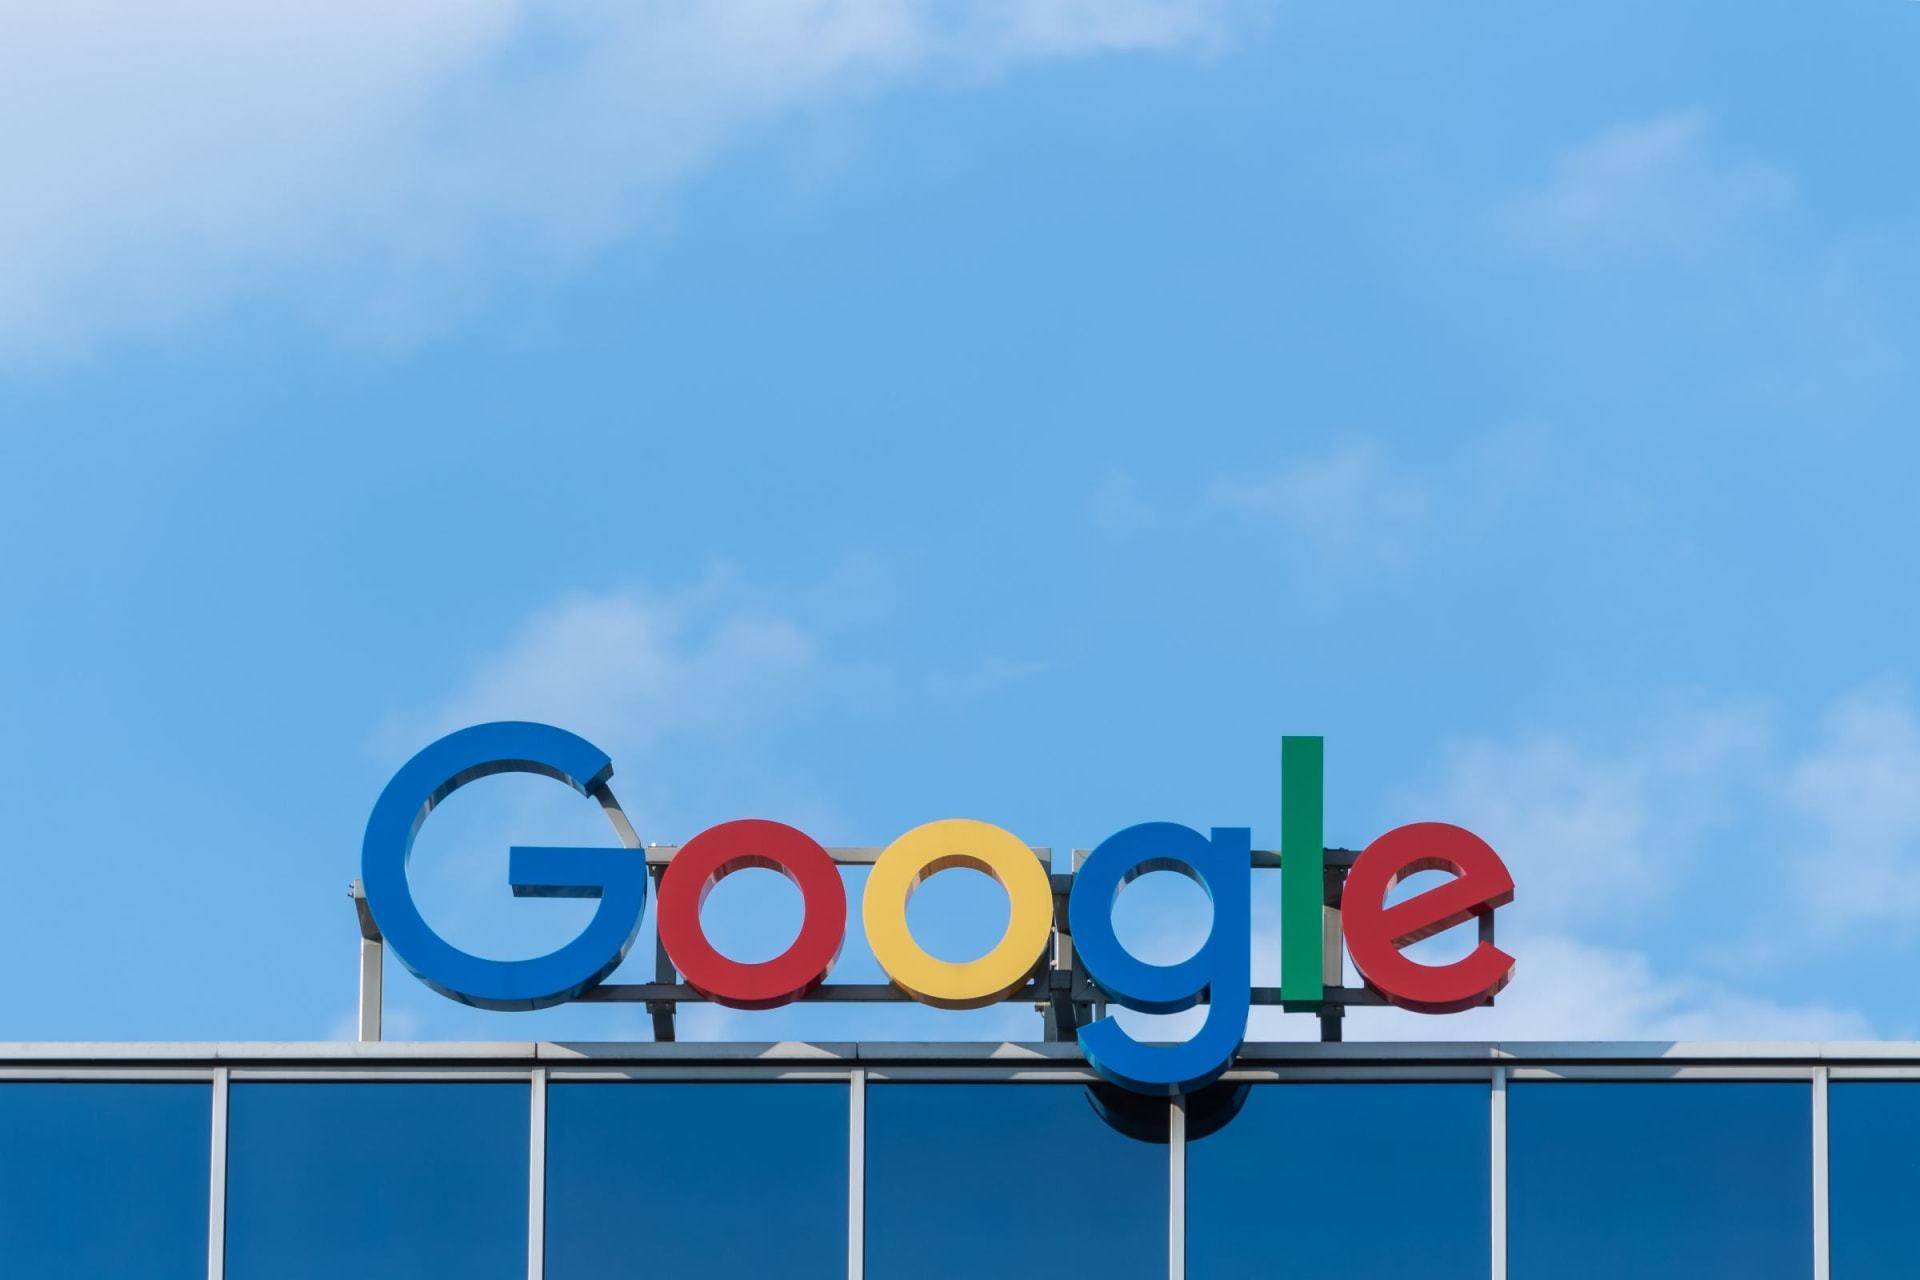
<point>377,1181</point>
<point>718,1181</point>
<point>1008,1181</point>
<point>104,1181</point>
<point>1344,1180</point>
<point>1660,1180</point>
<point>1873,1175</point>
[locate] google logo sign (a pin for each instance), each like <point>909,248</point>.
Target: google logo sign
<point>1376,926</point>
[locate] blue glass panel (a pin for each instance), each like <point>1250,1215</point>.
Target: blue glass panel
<point>710,1180</point>
<point>1344,1180</point>
<point>1660,1180</point>
<point>1873,1176</point>
<point>1010,1181</point>
<point>104,1181</point>
<point>377,1181</point>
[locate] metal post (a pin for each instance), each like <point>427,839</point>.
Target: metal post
<point>1087,1004</point>
<point>371,949</point>
<point>1497,1162</point>
<point>857,1174</point>
<point>537,1177</point>
<point>1822,1206</point>
<point>664,974</point>
<point>1333,974</point>
<point>1059,1015</point>
<point>217,1182</point>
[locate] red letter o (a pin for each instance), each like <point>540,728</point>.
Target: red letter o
<point>715,854</point>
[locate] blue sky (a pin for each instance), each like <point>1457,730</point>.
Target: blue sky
<point>858,414</point>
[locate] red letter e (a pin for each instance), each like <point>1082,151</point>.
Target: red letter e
<point>1376,932</point>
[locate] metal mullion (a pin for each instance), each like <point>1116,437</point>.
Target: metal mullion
<point>537,1176</point>
<point>1497,1163</point>
<point>1822,1206</point>
<point>1177,1188</point>
<point>856,1174</point>
<point>217,1181</point>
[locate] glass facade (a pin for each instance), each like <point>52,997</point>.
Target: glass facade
<point>1659,1180</point>
<point>1873,1130</point>
<point>816,1172</point>
<point>718,1181</point>
<point>1345,1180</point>
<point>104,1181</point>
<point>376,1181</point>
<point>1008,1180</point>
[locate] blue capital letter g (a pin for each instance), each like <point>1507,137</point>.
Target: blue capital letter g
<point>617,876</point>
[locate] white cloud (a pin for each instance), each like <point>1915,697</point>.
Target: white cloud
<point>1588,832</point>
<point>1602,842</point>
<point>1859,793</point>
<point>988,675</point>
<point>1654,187</point>
<point>384,166</point>
<point>675,687</point>
<point>655,679</point>
<point>632,667</point>
<point>1567,989</point>
<point>1347,501</point>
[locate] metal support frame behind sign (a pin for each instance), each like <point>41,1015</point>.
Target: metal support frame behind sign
<point>1060,991</point>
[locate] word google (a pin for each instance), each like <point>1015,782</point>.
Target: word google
<point>1218,974</point>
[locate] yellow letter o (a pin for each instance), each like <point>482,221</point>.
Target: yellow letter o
<point>934,847</point>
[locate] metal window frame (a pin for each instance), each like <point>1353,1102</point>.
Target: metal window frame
<point>1822,1220</point>
<point>1497,1168</point>
<point>217,1182</point>
<point>856,1174</point>
<point>537,1174</point>
<point>538,1065</point>
<point>1177,1189</point>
